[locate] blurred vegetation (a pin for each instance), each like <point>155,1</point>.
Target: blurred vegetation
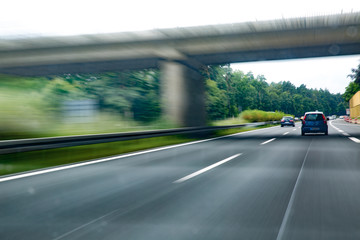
<point>34,107</point>
<point>261,116</point>
<point>130,101</point>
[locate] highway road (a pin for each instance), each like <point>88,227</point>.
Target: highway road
<point>269,183</point>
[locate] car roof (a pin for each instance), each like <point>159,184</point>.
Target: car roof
<point>314,113</point>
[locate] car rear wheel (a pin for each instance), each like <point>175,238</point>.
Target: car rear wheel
<point>302,133</point>
<point>326,133</point>
<point>282,125</point>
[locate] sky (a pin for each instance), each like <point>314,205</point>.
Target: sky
<point>329,73</point>
<point>29,18</point>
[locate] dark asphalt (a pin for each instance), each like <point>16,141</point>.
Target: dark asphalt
<point>294,187</point>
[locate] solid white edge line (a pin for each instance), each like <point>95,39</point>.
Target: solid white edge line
<point>206,169</point>
<point>354,139</point>
<point>285,133</point>
<point>294,129</point>
<point>334,126</point>
<point>267,141</point>
<point>349,124</point>
<point>291,201</point>
<point>90,162</point>
<point>343,132</point>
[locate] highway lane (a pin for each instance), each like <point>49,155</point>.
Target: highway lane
<point>326,200</point>
<point>347,129</point>
<point>293,187</point>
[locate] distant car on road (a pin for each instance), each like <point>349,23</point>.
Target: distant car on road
<point>287,121</point>
<point>314,122</point>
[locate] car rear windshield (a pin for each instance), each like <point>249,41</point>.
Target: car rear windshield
<point>314,117</point>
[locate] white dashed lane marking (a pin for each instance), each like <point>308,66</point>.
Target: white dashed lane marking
<point>354,139</point>
<point>268,141</point>
<point>206,169</point>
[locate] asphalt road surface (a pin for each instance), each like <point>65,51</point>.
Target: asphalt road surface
<point>266,184</point>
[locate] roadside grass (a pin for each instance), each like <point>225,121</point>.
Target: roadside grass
<point>229,121</point>
<point>28,161</point>
<point>224,132</point>
<point>18,128</point>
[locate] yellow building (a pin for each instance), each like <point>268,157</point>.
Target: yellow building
<point>355,105</point>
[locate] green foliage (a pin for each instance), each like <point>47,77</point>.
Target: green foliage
<point>230,92</point>
<point>355,76</point>
<point>353,86</point>
<point>261,116</point>
<point>351,89</point>
<point>133,94</point>
<point>33,107</point>
<point>21,111</point>
<point>217,101</point>
<point>58,90</point>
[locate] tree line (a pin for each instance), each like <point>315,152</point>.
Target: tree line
<point>230,92</point>
<point>354,85</point>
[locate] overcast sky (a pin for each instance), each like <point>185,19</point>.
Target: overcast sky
<point>326,72</point>
<point>24,18</point>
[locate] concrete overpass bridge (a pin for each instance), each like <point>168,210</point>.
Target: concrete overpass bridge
<point>181,52</point>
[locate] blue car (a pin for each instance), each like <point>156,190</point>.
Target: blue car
<point>314,122</point>
<point>287,121</point>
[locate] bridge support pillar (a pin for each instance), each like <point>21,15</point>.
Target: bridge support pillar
<point>183,94</point>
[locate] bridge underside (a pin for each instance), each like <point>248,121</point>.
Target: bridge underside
<point>329,50</point>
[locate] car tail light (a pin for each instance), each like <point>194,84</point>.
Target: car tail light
<point>324,119</point>
<point>291,120</point>
<point>303,120</point>
<point>282,120</point>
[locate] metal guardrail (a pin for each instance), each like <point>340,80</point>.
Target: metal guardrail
<point>25,145</point>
